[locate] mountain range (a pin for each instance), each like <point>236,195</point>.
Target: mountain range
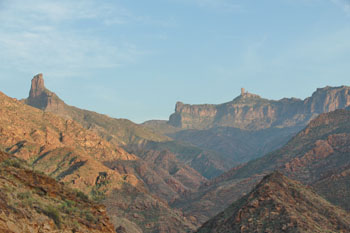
<point>173,176</point>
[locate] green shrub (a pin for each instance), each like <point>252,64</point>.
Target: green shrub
<point>24,195</point>
<point>13,162</point>
<point>89,217</point>
<point>82,196</point>
<point>53,213</point>
<point>27,199</point>
<point>68,207</point>
<point>97,195</point>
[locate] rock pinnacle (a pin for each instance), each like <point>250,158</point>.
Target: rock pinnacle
<point>37,86</point>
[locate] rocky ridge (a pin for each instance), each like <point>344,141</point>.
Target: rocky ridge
<point>279,204</point>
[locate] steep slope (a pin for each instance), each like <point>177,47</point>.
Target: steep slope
<point>278,204</point>
<point>80,158</point>
<point>33,202</point>
<point>317,156</point>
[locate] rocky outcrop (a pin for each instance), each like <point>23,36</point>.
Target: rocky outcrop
<point>250,111</point>
<point>278,204</point>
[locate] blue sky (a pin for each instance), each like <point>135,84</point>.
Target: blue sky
<point>135,59</point>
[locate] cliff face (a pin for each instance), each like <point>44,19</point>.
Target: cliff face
<point>252,112</point>
<point>278,204</point>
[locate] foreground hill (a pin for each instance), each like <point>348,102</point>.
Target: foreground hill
<point>82,159</point>
<point>33,202</point>
<point>279,204</point>
<point>248,126</point>
<point>317,156</point>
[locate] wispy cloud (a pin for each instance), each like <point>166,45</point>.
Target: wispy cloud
<point>344,4</point>
<point>50,35</point>
<point>324,56</point>
<point>224,5</point>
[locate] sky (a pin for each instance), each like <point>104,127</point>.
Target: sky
<point>136,59</point>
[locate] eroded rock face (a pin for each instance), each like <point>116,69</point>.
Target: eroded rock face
<point>38,86</point>
<point>250,111</point>
<point>42,98</point>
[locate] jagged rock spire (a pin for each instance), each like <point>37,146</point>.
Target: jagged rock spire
<point>42,98</point>
<point>38,86</point>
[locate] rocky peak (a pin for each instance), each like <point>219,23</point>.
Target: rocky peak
<point>42,98</point>
<point>38,86</point>
<point>246,94</point>
<point>179,105</point>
